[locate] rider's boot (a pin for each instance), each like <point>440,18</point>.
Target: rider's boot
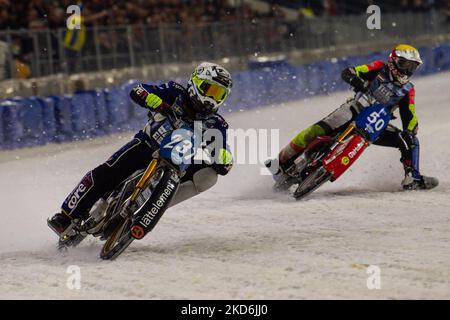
<point>281,165</point>
<point>415,181</point>
<point>282,171</point>
<point>59,223</point>
<point>291,152</point>
<point>419,182</point>
<point>64,226</point>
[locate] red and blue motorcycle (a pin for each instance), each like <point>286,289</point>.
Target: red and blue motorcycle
<point>327,158</point>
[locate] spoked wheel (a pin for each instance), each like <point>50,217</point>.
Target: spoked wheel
<point>118,241</point>
<point>311,183</point>
<point>119,237</point>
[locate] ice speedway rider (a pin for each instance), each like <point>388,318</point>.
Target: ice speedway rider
<point>207,89</point>
<point>395,76</point>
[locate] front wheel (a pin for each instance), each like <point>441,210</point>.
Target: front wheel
<point>313,181</point>
<point>120,231</point>
<point>118,241</point>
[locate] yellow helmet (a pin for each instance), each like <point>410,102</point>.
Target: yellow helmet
<point>403,62</point>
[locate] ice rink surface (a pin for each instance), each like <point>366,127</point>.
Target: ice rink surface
<point>240,240</point>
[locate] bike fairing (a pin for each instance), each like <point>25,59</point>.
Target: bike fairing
<point>370,123</point>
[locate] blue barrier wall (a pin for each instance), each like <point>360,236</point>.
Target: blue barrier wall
<point>33,121</point>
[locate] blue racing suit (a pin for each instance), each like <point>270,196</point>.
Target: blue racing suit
<point>163,101</point>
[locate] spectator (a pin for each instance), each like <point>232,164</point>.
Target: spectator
<point>51,13</point>
<point>276,12</point>
<point>329,7</point>
<point>34,21</point>
<point>447,11</point>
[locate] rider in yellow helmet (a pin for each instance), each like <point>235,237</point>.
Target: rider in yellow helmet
<point>394,78</point>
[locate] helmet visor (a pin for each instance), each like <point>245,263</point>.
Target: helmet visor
<point>406,67</point>
<point>211,89</point>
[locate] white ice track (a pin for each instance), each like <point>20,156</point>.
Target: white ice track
<point>240,240</point>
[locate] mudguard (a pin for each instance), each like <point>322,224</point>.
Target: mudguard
<point>152,210</point>
<point>344,155</point>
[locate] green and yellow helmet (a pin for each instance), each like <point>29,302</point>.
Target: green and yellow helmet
<point>403,62</point>
<point>208,87</point>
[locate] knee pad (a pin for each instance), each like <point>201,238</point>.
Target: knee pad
<point>202,180</point>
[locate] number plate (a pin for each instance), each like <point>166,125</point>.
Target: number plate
<point>373,120</point>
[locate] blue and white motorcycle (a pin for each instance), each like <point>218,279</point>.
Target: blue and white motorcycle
<point>133,209</point>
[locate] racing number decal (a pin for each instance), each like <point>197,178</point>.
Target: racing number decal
<point>176,138</point>
<point>185,149</point>
<point>375,119</point>
<point>180,148</point>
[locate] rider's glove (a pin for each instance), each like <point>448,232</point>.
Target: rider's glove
<point>173,112</point>
<point>359,84</point>
<point>224,162</point>
<point>152,101</point>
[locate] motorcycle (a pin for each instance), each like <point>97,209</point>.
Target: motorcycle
<point>134,207</point>
<point>327,158</point>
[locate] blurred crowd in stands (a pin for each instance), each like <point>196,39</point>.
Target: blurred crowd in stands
<point>39,14</point>
<point>51,40</point>
<point>346,7</point>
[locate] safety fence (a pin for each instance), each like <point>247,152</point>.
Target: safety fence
<point>32,121</point>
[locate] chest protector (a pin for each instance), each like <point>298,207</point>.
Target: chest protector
<point>387,92</point>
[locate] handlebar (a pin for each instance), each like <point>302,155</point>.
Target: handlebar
<point>367,96</point>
